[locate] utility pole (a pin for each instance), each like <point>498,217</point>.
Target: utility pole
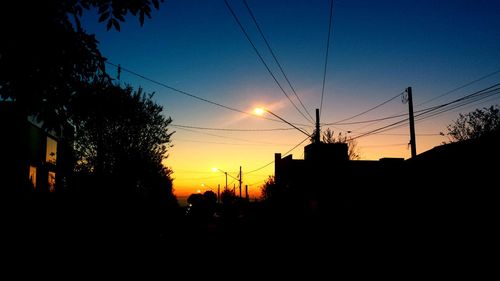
<point>119,73</point>
<point>413,143</point>
<point>218,193</point>
<point>317,134</point>
<point>226,181</point>
<point>240,181</point>
<point>246,192</point>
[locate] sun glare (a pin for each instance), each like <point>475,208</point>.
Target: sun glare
<point>259,111</point>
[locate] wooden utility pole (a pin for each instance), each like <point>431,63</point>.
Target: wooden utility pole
<point>246,192</point>
<point>240,181</point>
<point>218,193</point>
<point>413,142</point>
<point>317,135</point>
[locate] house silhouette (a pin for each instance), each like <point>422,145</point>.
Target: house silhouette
<point>34,159</point>
<point>444,198</point>
<point>327,180</point>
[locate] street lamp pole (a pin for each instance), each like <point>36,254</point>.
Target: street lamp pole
<point>302,131</point>
<point>225,173</point>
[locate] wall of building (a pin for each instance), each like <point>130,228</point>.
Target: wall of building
<point>31,156</point>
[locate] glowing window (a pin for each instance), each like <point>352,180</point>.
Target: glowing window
<point>52,182</point>
<point>51,156</point>
<point>32,176</point>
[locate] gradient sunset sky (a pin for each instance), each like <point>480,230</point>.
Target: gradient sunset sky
<point>377,49</point>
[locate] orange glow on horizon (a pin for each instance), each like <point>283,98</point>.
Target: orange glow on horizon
<point>201,157</point>
<point>193,165</point>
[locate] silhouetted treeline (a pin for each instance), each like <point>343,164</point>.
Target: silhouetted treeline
<point>47,56</point>
<point>113,184</point>
<point>111,140</point>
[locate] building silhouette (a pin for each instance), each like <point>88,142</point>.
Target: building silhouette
<point>443,197</point>
<point>34,159</point>
<point>326,178</point>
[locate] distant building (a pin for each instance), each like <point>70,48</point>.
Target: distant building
<point>445,198</point>
<point>32,158</point>
<point>456,178</point>
<point>461,175</point>
<point>326,176</point>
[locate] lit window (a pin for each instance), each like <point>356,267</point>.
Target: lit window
<point>51,151</point>
<point>52,182</point>
<point>32,176</point>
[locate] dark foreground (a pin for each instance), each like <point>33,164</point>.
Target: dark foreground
<point>60,229</point>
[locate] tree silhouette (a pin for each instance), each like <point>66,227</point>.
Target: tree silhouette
<point>352,145</point>
<point>114,11</point>
<point>210,197</point>
<point>227,196</point>
<point>120,134</point>
<point>202,206</point>
<point>268,189</point>
<point>474,124</point>
<point>46,56</point>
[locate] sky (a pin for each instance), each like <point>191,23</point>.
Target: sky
<point>377,49</point>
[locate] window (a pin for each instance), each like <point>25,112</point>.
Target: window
<point>32,176</point>
<point>52,182</point>
<point>51,156</point>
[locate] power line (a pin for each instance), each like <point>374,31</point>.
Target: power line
<point>462,103</point>
<point>434,114</point>
<point>431,109</point>
<point>383,145</point>
<point>374,121</point>
<point>275,58</point>
<point>366,111</point>
<point>473,95</point>
<point>257,175</point>
<point>378,129</point>
<point>228,143</point>
<point>326,56</point>
<point>178,91</point>
<point>193,171</point>
<point>206,178</point>
<point>461,87</point>
<point>443,110</point>
<point>341,122</point>
<point>261,181</point>
<point>231,130</point>
<point>370,120</point>
<point>488,101</point>
<point>231,183</point>
<point>478,96</point>
<point>292,149</point>
<point>286,153</point>
<point>421,135</point>
<point>258,169</point>
<point>262,59</point>
<point>226,137</point>
<point>439,109</point>
<point>195,96</point>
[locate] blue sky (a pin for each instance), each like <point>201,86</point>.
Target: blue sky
<point>377,49</point>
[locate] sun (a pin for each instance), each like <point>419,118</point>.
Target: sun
<point>259,111</point>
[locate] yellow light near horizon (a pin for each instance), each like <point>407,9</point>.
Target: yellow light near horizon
<point>259,111</point>
<point>214,169</point>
